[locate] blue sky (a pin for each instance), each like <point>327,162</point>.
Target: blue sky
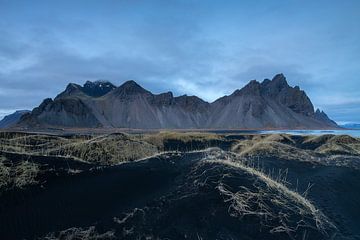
<point>204,48</point>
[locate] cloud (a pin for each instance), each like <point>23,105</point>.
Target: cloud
<point>186,47</point>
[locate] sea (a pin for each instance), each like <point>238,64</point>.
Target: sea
<point>350,132</point>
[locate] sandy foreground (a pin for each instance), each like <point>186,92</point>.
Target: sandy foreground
<point>173,185</point>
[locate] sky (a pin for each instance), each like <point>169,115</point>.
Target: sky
<point>195,47</point>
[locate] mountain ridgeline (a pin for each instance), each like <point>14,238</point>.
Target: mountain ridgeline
<point>266,105</point>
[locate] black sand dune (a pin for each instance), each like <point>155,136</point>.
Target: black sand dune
<point>85,198</point>
<point>334,189</point>
<point>177,197</point>
<point>253,191</point>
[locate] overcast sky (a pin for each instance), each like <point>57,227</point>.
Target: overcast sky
<point>204,48</point>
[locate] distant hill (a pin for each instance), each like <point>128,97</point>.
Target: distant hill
<point>258,105</point>
<point>12,119</point>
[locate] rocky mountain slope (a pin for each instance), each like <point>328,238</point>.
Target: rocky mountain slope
<point>269,104</point>
<point>12,119</point>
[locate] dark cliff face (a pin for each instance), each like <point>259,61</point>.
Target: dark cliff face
<point>97,88</point>
<point>162,99</point>
<point>292,97</point>
<point>269,104</point>
<point>92,89</point>
<point>321,115</point>
<point>192,103</point>
<point>64,112</point>
<point>130,88</point>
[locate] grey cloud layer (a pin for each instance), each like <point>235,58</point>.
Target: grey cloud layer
<point>186,47</point>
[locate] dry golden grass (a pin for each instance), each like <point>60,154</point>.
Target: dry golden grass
<point>267,148</point>
<point>158,139</point>
<point>111,149</point>
<point>17,175</point>
<point>317,139</point>
<point>31,143</point>
<point>280,145</point>
<point>104,149</point>
<point>108,149</point>
<point>334,144</point>
<point>257,203</point>
<point>341,144</point>
<point>307,148</point>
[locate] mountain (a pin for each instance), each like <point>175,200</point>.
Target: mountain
<point>269,104</point>
<point>11,119</point>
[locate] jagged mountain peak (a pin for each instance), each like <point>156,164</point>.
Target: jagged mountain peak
<point>253,84</point>
<point>97,88</point>
<point>275,85</point>
<point>280,79</point>
<point>93,89</point>
<point>99,83</point>
<point>192,103</point>
<point>130,84</point>
<point>322,116</point>
<point>318,111</point>
<point>265,81</point>
<point>71,87</point>
<point>130,87</point>
<point>272,87</point>
<point>252,88</point>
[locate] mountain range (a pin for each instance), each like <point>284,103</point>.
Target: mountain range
<point>258,105</point>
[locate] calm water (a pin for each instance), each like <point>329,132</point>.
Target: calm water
<point>354,133</point>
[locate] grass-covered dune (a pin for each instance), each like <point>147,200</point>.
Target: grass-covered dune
<point>208,195</point>
<point>172,185</point>
<point>108,149</point>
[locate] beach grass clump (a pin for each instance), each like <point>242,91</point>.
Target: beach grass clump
<point>161,139</point>
<point>107,149</point>
<point>17,175</point>
<point>269,199</point>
